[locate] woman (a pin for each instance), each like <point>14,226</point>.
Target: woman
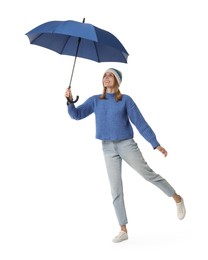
<point>114,112</point>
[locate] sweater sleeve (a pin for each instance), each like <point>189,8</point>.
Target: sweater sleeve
<point>142,126</point>
<point>81,111</point>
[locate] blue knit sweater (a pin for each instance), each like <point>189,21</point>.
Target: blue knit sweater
<point>113,118</point>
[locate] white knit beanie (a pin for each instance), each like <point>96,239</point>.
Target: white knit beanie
<point>116,73</point>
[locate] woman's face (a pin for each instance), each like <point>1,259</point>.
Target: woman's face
<point>109,80</point>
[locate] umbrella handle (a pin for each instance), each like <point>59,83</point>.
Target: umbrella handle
<point>73,101</point>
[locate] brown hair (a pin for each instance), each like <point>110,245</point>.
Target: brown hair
<point>118,95</point>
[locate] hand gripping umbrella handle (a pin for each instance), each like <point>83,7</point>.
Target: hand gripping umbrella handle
<point>71,100</point>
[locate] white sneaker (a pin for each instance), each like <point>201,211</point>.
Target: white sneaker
<point>181,210</point>
<point>120,237</point>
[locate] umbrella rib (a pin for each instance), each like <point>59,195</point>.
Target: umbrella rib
<point>98,59</point>
<point>65,43</point>
<point>125,55</point>
<point>39,35</point>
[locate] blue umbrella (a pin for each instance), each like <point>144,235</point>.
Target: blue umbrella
<point>78,39</point>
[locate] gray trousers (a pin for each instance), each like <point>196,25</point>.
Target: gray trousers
<point>128,150</point>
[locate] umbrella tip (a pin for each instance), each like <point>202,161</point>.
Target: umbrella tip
<point>83,20</point>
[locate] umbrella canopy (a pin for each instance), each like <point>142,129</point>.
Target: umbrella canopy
<point>63,37</point>
<point>78,39</point>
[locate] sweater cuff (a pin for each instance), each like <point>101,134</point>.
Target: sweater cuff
<point>155,144</point>
<point>68,102</point>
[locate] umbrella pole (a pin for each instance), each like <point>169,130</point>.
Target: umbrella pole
<point>77,97</point>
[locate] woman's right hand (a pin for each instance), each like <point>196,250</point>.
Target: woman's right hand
<point>68,94</point>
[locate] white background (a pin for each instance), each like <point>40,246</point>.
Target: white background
<point>55,200</point>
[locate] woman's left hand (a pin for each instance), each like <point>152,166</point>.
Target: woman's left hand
<point>162,150</point>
